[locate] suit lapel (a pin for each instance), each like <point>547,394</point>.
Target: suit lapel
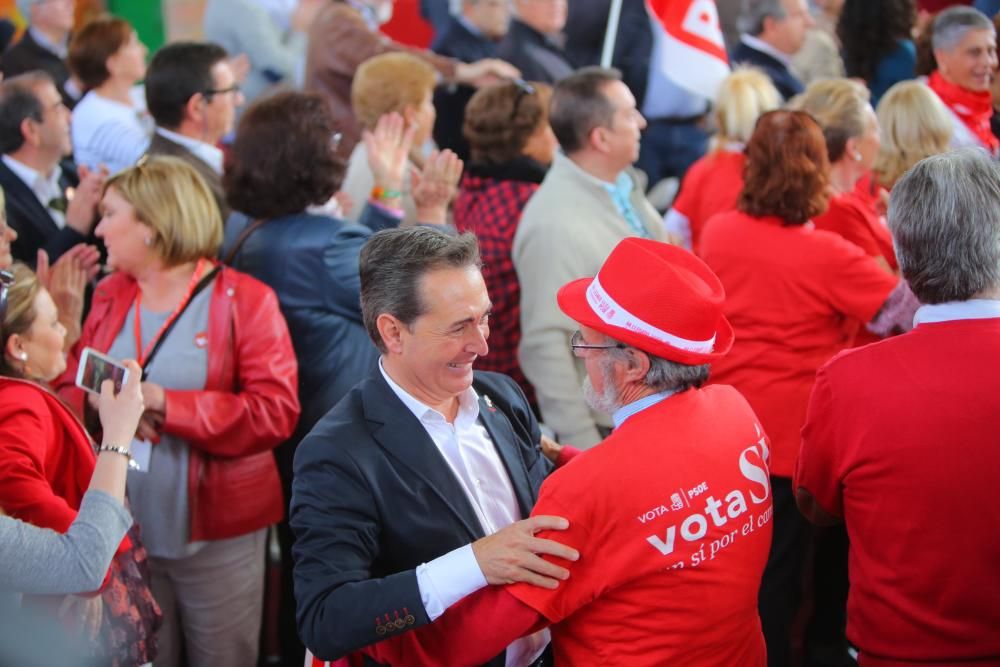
<point>498,426</point>
<point>402,435</point>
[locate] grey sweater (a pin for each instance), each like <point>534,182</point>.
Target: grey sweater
<point>41,561</point>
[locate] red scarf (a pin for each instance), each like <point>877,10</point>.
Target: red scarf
<point>974,108</point>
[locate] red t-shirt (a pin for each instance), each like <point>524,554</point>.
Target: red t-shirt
<point>789,292</point>
<point>852,217</point>
<point>711,185</point>
<point>671,516</point>
<point>901,441</point>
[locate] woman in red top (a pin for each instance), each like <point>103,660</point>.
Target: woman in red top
<point>713,183</point>
<point>46,464</point>
<point>511,146</point>
<point>789,289</point>
<point>220,394</point>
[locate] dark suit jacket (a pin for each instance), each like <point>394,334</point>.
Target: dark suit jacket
<point>27,55</point>
<point>160,145</point>
<point>450,99</point>
<point>537,56</point>
<point>787,83</point>
<point>372,498</point>
<point>33,223</point>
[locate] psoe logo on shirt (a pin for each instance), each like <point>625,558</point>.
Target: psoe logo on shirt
<point>201,340</point>
<point>753,466</point>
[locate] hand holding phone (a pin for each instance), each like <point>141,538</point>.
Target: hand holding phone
<point>95,368</point>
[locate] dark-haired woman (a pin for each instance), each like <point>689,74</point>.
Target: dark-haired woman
<point>511,146</point>
<point>789,289</point>
<point>283,174</point>
<point>877,44</point>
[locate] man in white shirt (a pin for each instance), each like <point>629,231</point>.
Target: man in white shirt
<point>47,204</point>
<point>775,31</point>
<point>409,494</point>
<point>192,94</point>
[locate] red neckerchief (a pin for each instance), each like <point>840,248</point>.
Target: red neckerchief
<point>974,108</point>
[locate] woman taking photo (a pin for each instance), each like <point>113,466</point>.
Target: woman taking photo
<point>220,394</point>
<point>789,290</point>
<point>47,461</point>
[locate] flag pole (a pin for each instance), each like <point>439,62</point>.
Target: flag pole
<point>611,34</point>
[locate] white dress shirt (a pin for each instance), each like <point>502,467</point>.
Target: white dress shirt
<point>473,459</point>
<point>973,309</point>
<point>46,188</point>
<point>204,151</point>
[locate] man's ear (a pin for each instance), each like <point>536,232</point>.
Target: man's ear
<point>29,130</point>
<point>194,109</point>
<point>597,140</point>
<point>391,331</point>
<point>637,365</point>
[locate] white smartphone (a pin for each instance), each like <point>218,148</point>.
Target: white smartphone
<point>95,368</point>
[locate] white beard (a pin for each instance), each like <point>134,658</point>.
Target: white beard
<point>608,401</point>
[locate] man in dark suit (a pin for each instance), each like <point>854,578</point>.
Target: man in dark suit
<point>468,37</point>
<point>533,41</point>
<point>37,182</point>
<point>408,495</point>
<point>776,31</point>
<point>192,94</point>
<point>44,44</point>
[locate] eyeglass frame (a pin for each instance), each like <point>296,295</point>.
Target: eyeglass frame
<point>577,345</point>
<point>6,282</point>
<point>212,92</point>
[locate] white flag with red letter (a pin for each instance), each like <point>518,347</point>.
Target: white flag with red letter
<point>694,53</point>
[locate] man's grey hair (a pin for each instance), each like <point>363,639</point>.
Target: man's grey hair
<point>392,263</point>
<point>945,219</point>
<point>755,11</point>
<point>666,375</point>
<point>951,25</point>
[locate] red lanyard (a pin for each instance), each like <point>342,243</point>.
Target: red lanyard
<point>141,353</point>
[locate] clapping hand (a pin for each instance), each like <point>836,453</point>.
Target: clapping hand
<point>66,281</point>
<point>388,148</point>
<point>435,186</point>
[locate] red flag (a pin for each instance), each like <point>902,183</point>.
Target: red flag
<point>694,53</point>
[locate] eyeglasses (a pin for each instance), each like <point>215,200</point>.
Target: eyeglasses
<point>523,89</point>
<point>6,282</point>
<point>578,346</point>
<point>235,88</point>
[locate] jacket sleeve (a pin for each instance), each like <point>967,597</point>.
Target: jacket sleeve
<point>262,409</point>
<point>471,632</point>
<point>340,605</point>
<point>41,561</point>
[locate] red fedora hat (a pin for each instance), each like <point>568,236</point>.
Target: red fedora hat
<point>655,297</point>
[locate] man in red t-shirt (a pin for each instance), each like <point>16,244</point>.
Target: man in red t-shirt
<point>900,440</point>
<point>671,514</point>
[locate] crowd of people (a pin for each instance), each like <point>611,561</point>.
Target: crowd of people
<point>421,370</point>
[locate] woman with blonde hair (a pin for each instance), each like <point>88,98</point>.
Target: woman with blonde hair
<point>914,125</point>
<point>391,82</point>
<point>851,130</point>
<point>713,183</point>
<point>220,382</point>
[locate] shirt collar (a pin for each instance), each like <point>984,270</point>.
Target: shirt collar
<point>468,402</point>
<point>635,407</point>
<point>622,187</point>
<point>204,151</point>
<point>973,309</point>
<point>761,45</point>
<point>44,187</point>
<point>60,50</point>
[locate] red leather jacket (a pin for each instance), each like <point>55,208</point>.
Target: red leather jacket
<point>248,407</point>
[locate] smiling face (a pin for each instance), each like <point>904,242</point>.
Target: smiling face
<point>972,62</point>
<point>432,357</point>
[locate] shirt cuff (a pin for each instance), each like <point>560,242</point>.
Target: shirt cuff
<point>447,579</point>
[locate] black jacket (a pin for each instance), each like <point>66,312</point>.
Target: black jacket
<point>787,83</point>
<point>33,223</point>
<point>27,55</point>
<point>536,55</point>
<point>373,498</point>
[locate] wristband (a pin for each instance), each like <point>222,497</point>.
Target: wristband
<point>118,449</point>
<point>382,194</point>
